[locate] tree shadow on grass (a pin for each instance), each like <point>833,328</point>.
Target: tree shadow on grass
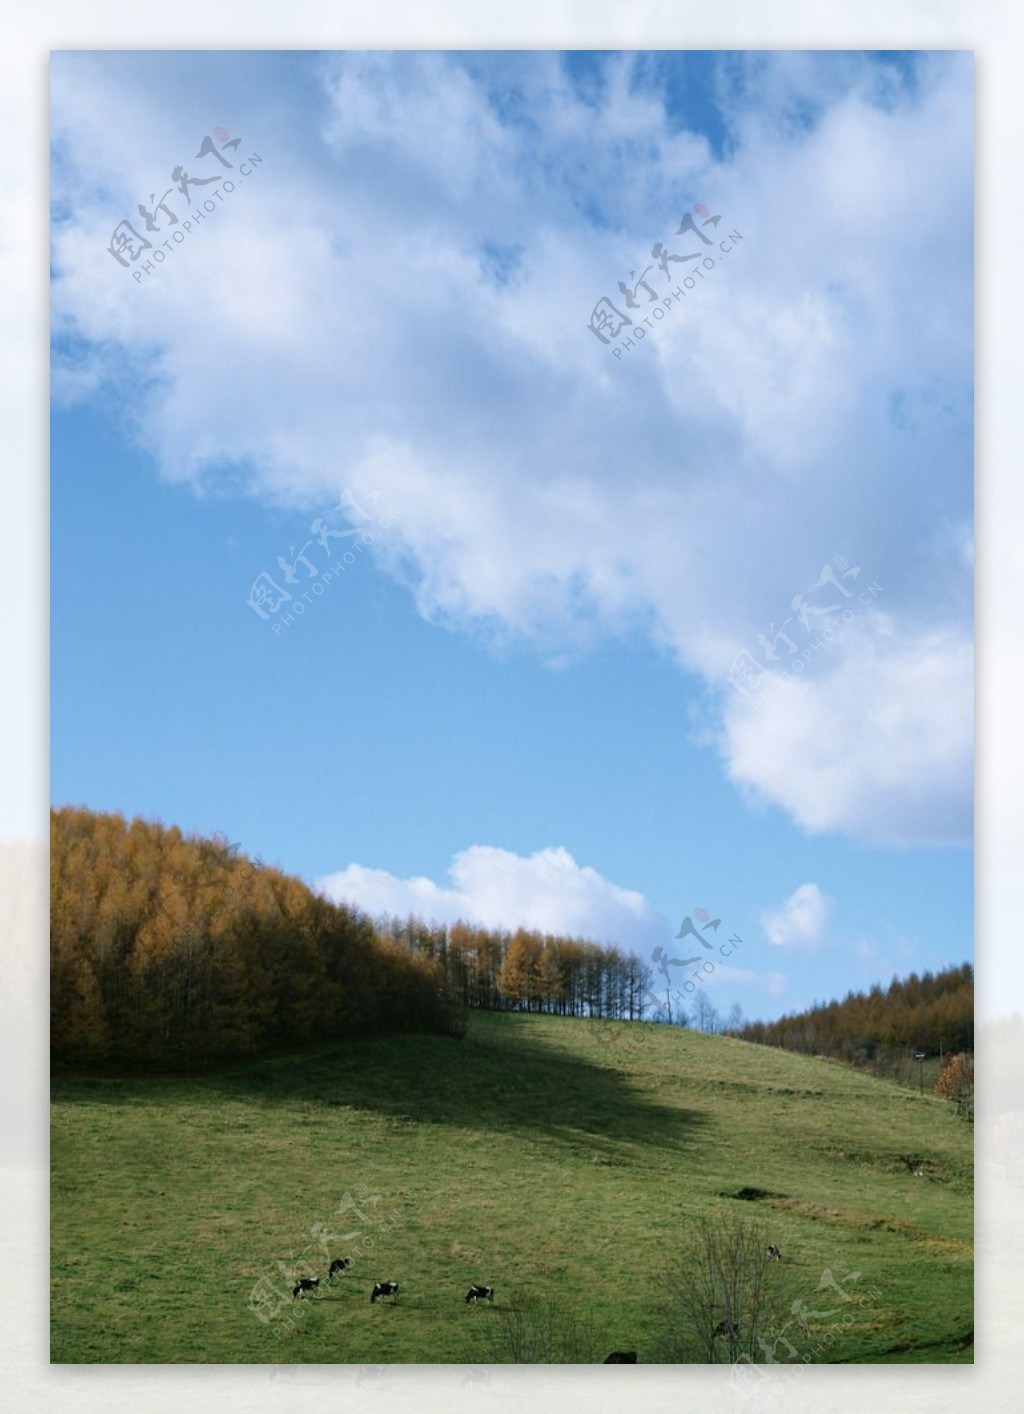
<point>503,1076</point>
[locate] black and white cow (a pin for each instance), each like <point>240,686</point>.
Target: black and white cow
<point>384,1288</point>
<point>774,1255</point>
<point>479,1293</point>
<point>305,1284</point>
<point>726,1327</point>
<point>339,1267</point>
<point>621,1357</point>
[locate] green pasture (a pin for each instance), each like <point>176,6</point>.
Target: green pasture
<point>548,1157</point>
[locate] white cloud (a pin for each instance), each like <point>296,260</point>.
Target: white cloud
<point>882,958</point>
<point>801,923</point>
<point>772,984</point>
<point>404,303</point>
<point>879,747</point>
<point>495,888</point>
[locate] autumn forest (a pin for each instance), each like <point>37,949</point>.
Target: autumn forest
<point>172,951</point>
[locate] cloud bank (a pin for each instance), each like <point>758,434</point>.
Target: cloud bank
<point>495,888</point>
<point>400,297</point>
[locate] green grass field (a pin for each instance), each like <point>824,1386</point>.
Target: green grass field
<point>545,1156</point>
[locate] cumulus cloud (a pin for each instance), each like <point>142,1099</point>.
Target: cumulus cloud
<point>801,923</point>
<point>880,746</point>
<point>496,888</point>
<point>400,298</point>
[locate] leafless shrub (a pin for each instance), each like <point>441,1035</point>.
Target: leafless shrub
<point>722,1294</point>
<point>542,1331</point>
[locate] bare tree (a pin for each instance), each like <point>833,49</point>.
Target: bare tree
<point>734,1022</point>
<point>724,1296</point>
<point>540,1331</point>
<point>706,1016</point>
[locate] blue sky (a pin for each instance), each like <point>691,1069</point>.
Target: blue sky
<point>521,702</point>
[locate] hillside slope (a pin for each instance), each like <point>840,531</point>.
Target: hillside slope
<point>542,1155</point>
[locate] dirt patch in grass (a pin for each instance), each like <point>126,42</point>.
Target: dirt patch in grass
<point>752,1195</point>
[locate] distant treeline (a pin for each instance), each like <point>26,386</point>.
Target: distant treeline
<point>933,1013</point>
<point>170,951</point>
<point>526,970</point>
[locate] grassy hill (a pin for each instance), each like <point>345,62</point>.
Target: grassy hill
<point>547,1156</point>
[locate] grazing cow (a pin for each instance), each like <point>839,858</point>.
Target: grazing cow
<point>384,1288</point>
<point>480,1293</point>
<point>339,1267</point>
<point>620,1357</point>
<point>774,1255</point>
<point>305,1284</point>
<point>726,1327</point>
